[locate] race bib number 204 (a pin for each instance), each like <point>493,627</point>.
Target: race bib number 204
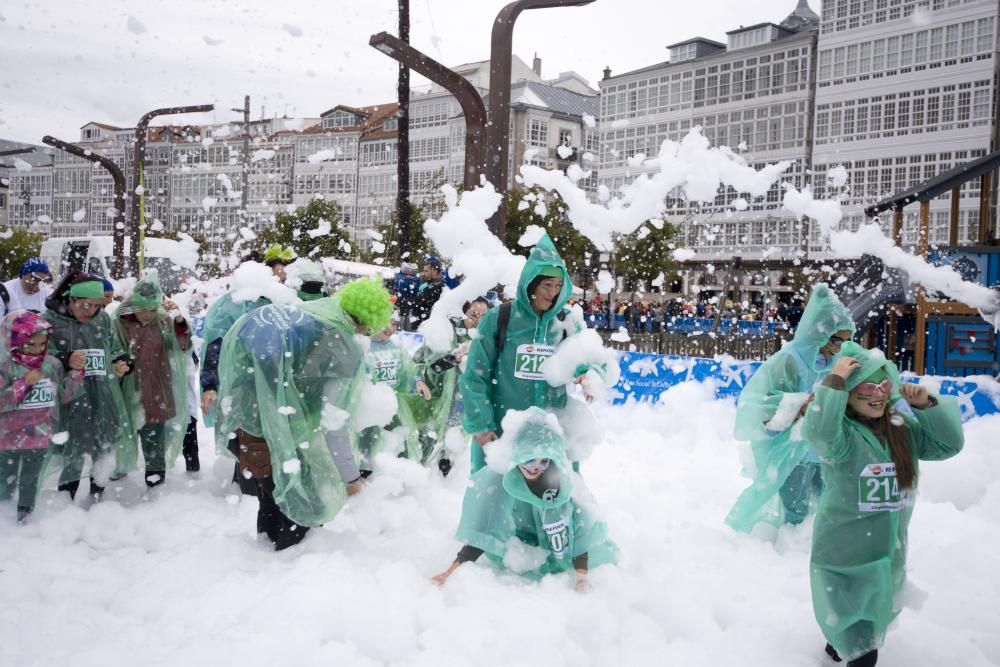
<point>878,489</point>
<point>528,360</point>
<point>96,363</point>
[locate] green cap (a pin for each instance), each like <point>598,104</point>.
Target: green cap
<point>87,289</point>
<point>551,271</point>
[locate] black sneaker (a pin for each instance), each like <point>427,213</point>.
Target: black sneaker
<point>832,652</point>
<point>444,465</point>
<point>867,660</point>
<point>22,515</point>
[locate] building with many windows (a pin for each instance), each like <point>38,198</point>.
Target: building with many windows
<point>905,90</point>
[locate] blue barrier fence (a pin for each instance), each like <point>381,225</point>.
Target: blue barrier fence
<point>644,377</point>
<point>690,325</point>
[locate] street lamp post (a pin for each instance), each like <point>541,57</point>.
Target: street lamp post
<point>139,162</point>
<point>466,94</point>
<point>499,113</point>
<point>118,222</point>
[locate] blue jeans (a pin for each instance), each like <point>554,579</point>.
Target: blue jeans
<point>799,489</point>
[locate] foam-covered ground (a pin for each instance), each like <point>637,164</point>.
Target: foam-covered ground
<point>180,578</point>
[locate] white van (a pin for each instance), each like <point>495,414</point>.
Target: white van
<point>95,254</point>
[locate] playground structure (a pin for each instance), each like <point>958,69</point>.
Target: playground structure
<point>921,331</point>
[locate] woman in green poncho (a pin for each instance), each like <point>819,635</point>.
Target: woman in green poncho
<point>870,453</point>
<point>534,518</point>
<point>440,371</point>
<point>504,369</point>
<point>387,363</point>
<point>787,479</point>
<point>96,422</point>
<point>290,383</point>
<point>156,390</point>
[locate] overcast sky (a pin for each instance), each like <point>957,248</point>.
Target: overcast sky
<point>64,63</point>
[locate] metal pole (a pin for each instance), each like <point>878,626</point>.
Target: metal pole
<point>138,165</point>
<point>17,151</point>
<point>498,130</point>
<point>403,140</point>
<point>466,94</point>
<point>118,222</point>
<point>245,159</point>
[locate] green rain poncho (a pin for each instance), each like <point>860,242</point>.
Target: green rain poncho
<point>501,515</point>
<point>291,374</point>
<point>155,392</point>
<point>96,422</point>
<point>781,384</point>
<point>490,385</point>
<point>386,362</point>
<point>860,533</point>
<point>219,319</point>
<point>444,409</point>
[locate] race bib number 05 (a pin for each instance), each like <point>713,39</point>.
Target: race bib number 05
<point>96,363</point>
<point>878,489</point>
<point>558,534</point>
<point>41,395</point>
<point>528,360</point>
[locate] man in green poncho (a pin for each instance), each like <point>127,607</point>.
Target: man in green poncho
<point>96,422</point>
<point>787,475</point>
<point>503,371</point>
<point>870,443</point>
<point>156,391</point>
<point>535,517</point>
<point>290,383</point>
<point>440,371</point>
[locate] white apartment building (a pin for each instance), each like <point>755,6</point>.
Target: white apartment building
<point>753,94</point>
<point>905,90</point>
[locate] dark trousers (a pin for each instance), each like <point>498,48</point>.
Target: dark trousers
<point>190,450</point>
<point>271,521</point>
<point>248,485</point>
<point>797,493</point>
<point>20,469</point>
<point>151,439</point>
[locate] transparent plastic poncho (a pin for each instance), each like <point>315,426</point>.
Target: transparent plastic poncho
<point>29,414</point>
<point>290,374</point>
<point>521,531</point>
<point>155,394</point>
<point>219,319</point>
<point>97,424</point>
<point>858,560</point>
<point>434,417</point>
<point>386,362</point>
<point>791,371</point>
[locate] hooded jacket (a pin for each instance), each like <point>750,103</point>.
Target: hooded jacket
<point>501,514</point>
<point>788,376</point>
<point>494,383</point>
<point>858,560</point>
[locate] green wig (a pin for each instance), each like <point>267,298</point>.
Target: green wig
<point>367,301</point>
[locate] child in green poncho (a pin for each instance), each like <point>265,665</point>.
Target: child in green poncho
<point>439,370</point>
<point>535,518</point>
<point>158,339</point>
<point>387,363</point>
<point>870,453</point>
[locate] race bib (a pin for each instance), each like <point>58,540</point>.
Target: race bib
<point>878,489</point>
<point>386,371</point>
<point>96,363</point>
<point>41,395</point>
<point>528,360</point>
<point>558,534</point>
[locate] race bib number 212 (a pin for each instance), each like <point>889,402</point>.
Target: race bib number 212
<point>528,361</point>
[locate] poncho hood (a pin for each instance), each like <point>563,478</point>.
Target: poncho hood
<point>542,256</point>
<point>539,436</point>
<point>823,316</point>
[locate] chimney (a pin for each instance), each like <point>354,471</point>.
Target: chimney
<point>607,72</point>
<point>536,65</point>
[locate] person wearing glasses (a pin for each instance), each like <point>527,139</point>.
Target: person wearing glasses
<point>871,431</point>
<point>530,514</point>
<point>440,372</point>
<point>96,423</point>
<point>29,290</point>
<point>786,470</point>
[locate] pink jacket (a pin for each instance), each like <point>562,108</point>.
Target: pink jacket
<point>28,414</point>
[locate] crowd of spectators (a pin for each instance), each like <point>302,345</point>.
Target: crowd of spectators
<point>646,316</point>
